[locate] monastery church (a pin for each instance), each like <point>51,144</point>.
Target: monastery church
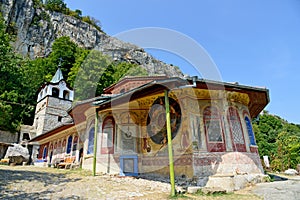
<point>211,128</point>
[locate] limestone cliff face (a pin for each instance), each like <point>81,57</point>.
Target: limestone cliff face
<point>37,29</point>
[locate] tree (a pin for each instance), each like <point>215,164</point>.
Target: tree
<point>93,71</point>
<point>279,140</point>
<point>56,5</point>
<point>9,82</point>
<point>64,52</point>
<point>89,74</point>
<point>122,69</point>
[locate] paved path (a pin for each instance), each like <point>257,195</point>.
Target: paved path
<point>279,190</point>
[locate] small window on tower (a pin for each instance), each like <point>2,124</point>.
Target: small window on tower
<point>26,136</point>
<point>59,118</point>
<point>55,92</point>
<point>66,95</point>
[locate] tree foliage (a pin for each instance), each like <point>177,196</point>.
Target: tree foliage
<point>9,82</point>
<point>279,140</point>
<point>56,5</point>
<point>94,71</point>
<point>61,6</point>
<point>22,77</point>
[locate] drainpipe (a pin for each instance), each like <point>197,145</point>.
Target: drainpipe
<point>95,143</point>
<point>170,148</point>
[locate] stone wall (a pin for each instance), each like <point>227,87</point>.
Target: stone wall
<point>48,112</point>
<point>8,137</point>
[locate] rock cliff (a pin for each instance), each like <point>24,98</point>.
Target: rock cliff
<point>36,30</point>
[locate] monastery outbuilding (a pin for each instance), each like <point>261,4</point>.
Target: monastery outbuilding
<point>212,135</point>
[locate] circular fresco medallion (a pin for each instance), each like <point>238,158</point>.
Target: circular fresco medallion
<point>156,120</point>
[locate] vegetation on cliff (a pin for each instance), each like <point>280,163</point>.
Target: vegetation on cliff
<point>61,6</point>
<point>21,77</point>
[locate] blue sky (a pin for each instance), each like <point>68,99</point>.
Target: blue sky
<point>255,43</point>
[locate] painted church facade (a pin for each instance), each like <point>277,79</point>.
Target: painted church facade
<point>212,134</point>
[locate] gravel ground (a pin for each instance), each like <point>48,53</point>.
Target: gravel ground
<point>29,182</point>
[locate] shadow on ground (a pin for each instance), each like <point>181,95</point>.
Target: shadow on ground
<point>43,183</point>
<point>277,178</point>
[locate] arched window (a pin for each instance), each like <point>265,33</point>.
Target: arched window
<point>213,130</point>
<point>66,94</point>
<point>69,145</point>
<point>45,152</point>
<point>91,141</point>
<point>108,131</point>
<point>55,92</point>
<point>237,135</point>
<point>250,131</point>
<point>75,142</point>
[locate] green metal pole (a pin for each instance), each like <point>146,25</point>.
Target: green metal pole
<point>95,143</point>
<point>170,148</point>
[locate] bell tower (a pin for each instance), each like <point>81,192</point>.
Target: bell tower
<point>53,101</point>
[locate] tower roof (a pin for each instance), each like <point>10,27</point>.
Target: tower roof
<point>57,77</point>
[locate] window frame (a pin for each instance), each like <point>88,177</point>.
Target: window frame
<point>90,147</point>
<point>53,93</point>
<point>69,145</point>
<point>110,149</point>
<point>213,146</point>
<point>249,126</point>
<point>236,146</point>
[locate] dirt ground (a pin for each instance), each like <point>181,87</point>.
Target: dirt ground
<point>30,182</point>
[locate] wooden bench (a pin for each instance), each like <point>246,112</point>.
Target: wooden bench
<point>66,163</point>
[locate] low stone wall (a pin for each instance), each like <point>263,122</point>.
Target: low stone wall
<point>234,182</point>
<point>8,137</point>
<point>226,163</point>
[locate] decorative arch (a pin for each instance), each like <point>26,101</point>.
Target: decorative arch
<point>108,135</point>
<point>59,147</point>
<point>64,144</point>
<point>55,147</point>
<point>213,129</point>
<point>236,131</point>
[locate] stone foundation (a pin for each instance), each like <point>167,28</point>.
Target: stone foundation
<point>234,182</point>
